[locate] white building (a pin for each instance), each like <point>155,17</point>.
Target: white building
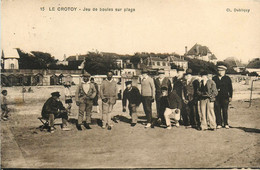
<point>10,59</point>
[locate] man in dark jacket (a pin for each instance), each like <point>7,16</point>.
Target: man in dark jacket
<point>225,93</point>
<point>132,94</point>
<point>159,83</point>
<point>52,109</point>
<point>172,104</point>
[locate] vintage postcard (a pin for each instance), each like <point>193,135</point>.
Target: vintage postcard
<point>130,84</point>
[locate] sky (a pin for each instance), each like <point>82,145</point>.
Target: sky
<point>160,26</point>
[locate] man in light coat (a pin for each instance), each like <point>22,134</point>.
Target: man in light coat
<point>84,96</point>
<point>207,94</point>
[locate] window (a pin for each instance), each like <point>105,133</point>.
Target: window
<point>153,63</point>
<point>164,64</point>
<point>12,66</point>
<point>158,63</point>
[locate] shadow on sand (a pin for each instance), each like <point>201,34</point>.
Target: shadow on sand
<point>249,130</point>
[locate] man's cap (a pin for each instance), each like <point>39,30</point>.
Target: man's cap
<point>144,71</point>
<point>4,91</point>
<point>164,88</point>
<point>86,74</point>
<point>222,67</point>
<point>161,72</point>
<point>203,73</point>
<point>92,79</point>
<point>128,82</point>
<point>188,71</point>
<point>55,94</point>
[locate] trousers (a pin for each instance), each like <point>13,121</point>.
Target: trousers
<point>207,114</point>
<point>147,105</point>
<point>62,115</point>
<point>167,114</point>
<point>85,109</point>
<point>106,113</point>
<point>221,105</point>
<point>133,112</point>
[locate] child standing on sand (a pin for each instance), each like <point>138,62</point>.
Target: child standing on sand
<point>68,96</point>
<point>4,108</point>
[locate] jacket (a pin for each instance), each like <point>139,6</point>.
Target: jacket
<point>133,96</point>
<point>188,90</point>
<point>211,91</point>
<point>147,87</point>
<point>224,87</point>
<point>82,96</point>
<point>158,85</point>
<point>172,101</point>
<point>52,106</point>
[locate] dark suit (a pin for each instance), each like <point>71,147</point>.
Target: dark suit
<point>158,94</point>
<point>52,109</point>
<point>225,91</point>
<point>134,100</point>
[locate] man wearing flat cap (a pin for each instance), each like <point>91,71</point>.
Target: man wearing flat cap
<point>132,94</point>
<point>148,96</point>
<point>52,109</point>
<point>160,82</point>
<point>225,93</point>
<point>84,96</point>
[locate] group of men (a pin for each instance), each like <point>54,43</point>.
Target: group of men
<point>200,102</point>
<point>195,102</point>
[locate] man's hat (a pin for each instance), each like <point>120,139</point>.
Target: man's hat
<point>164,88</point>
<point>189,71</point>
<point>203,73</point>
<point>222,67</point>
<point>128,82</point>
<point>86,74</point>
<point>92,79</point>
<point>55,94</point>
<point>144,71</point>
<point>161,72</point>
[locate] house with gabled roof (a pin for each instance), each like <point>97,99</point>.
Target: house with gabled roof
<point>9,59</point>
<point>202,53</point>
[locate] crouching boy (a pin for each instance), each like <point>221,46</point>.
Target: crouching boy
<point>132,94</point>
<point>172,104</point>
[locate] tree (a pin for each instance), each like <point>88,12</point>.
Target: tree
<point>96,63</point>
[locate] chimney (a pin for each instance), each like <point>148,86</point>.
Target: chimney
<point>77,57</point>
<point>64,57</point>
<point>186,49</point>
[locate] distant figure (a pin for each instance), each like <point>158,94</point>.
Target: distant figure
<point>148,96</point>
<point>159,83</point>
<point>4,106</point>
<point>23,90</point>
<point>30,90</point>
<point>84,96</point>
<point>207,94</point>
<point>132,94</point>
<point>108,95</point>
<point>68,97</point>
<point>95,100</point>
<point>225,93</point>
<point>52,109</point>
<point>172,104</point>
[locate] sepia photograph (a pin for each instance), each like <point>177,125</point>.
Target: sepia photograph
<point>133,84</point>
